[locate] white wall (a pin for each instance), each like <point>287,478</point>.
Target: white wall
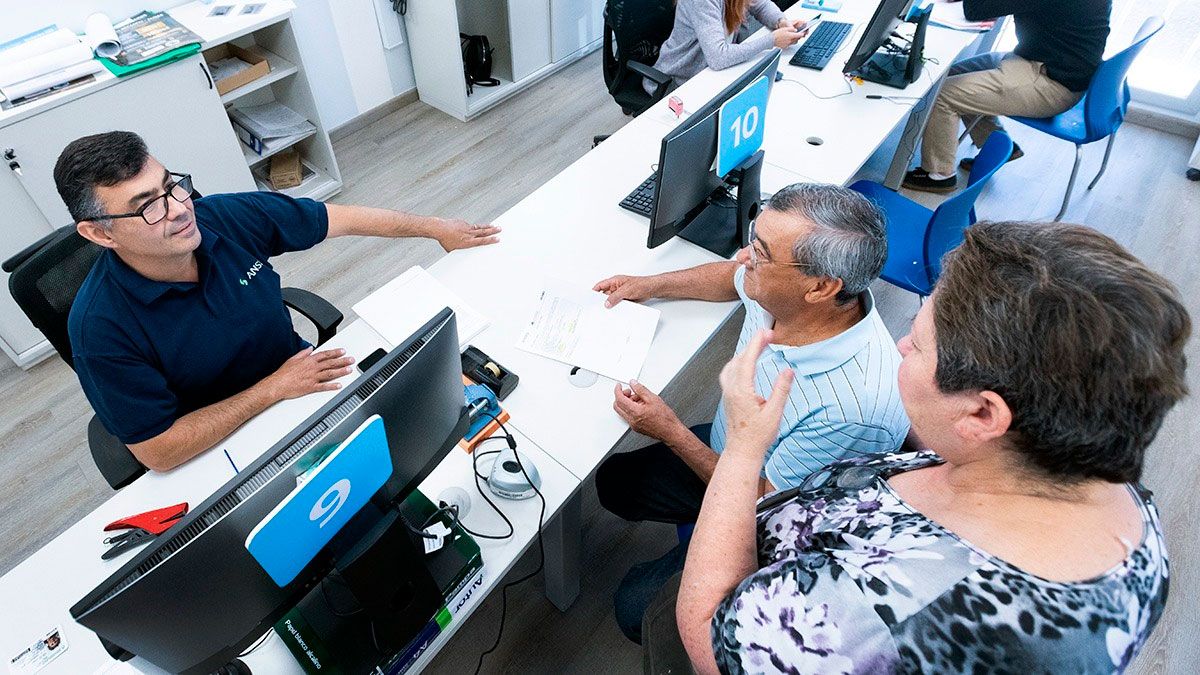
<point>348,67</point>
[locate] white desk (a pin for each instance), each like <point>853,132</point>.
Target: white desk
<point>37,594</point>
<point>570,228</point>
<point>851,126</point>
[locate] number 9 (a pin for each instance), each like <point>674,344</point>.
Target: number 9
<point>330,502</point>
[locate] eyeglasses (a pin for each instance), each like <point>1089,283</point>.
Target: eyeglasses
<point>155,210</point>
<point>760,258</point>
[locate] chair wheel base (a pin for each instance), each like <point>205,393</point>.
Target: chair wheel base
<point>1193,174</point>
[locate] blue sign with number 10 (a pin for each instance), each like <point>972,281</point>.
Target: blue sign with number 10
<point>740,124</point>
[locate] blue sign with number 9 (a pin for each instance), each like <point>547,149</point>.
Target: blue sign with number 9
<point>740,125</point>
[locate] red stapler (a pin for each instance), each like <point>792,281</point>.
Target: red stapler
<point>141,528</point>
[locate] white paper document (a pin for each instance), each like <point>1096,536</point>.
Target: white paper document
<point>572,325</point>
<point>404,304</point>
<point>950,15</point>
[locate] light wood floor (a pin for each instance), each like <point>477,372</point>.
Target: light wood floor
<point>420,160</point>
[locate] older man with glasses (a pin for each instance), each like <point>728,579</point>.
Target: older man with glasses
<point>179,333</point>
<point>813,252</point>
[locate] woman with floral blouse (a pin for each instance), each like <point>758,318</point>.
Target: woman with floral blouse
<point>1019,541</point>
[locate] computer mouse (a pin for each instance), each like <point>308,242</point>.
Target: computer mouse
<point>778,76</point>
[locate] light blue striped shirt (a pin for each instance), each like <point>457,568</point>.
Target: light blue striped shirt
<point>844,402</point>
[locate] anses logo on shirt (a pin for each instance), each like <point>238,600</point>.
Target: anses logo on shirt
<point>251,272</point>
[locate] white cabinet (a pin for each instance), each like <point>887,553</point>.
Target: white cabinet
<point>576,24</point>
<point>175,108</point>
<point>531,38</point>
<point>23,224</point>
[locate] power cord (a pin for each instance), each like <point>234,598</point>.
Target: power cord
<point>512,444</point>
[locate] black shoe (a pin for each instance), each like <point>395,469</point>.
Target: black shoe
<point>919,179</point>
<point>968,162</point>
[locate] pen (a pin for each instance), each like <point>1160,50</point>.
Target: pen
<point>228,457</point>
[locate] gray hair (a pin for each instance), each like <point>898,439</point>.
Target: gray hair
<point>849,240</point>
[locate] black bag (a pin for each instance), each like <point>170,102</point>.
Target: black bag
<point>477,61</point>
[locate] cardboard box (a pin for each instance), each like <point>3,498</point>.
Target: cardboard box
<point>285,170</point>
<point>258,66</point>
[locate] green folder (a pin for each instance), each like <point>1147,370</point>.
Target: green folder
<point>153,62</point>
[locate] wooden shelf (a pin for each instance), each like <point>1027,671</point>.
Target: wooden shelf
<point>280,68</point>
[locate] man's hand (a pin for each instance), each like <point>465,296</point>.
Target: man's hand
<point>645,412</point>
<point>307,372</point>
<point>622,287</point>
<point>456,234</point>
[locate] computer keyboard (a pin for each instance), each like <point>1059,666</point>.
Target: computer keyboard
<point>820,47</point>
<point>641,200</point>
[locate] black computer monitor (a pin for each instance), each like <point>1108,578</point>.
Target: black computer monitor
<point>195,597</point>
<point>688,198</point>
<point>888,15</point>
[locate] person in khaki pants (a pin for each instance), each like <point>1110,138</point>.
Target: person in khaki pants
<point>1060,45</point>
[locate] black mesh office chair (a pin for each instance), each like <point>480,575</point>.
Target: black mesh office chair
<point>44,279</point>
<point>634,30</point>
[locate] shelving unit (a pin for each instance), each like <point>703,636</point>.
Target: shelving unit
<point>531,39</point>
<point>270,33</point>
<point>280,68</point>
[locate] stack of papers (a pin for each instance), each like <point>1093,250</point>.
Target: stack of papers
<point>404,304</point>
<point>572,325</point>
<point>43,61</point>
<point>950,15</point>
<point>271,120</point>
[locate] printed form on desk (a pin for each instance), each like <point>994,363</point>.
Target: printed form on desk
<point>404,304</point>
<point>572,325</point>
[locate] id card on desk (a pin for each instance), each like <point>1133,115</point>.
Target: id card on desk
<point>39,654</point>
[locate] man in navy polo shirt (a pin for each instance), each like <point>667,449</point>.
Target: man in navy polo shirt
<point>179,333</point>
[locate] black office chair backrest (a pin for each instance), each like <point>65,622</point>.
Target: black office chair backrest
<point>639,28</point>
<point>45,278</point>
<point>633,30</point>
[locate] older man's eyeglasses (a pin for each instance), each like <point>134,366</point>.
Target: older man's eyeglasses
<point>758,256</point>
<point>156,209</point>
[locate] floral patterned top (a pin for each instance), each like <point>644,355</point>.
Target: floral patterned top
<point>852,580</point>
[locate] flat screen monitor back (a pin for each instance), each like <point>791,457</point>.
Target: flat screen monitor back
<point>197,598</point>
<point>686,176</point>
<point>885,19</point>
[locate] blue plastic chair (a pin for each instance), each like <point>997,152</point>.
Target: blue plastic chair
<point>1100,112</point>
<point>918,237</point>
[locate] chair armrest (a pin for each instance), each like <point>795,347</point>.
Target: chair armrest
<point>316,309</point>
<point>660,79</point>
<point>28,252</point>
<point>116,463</point>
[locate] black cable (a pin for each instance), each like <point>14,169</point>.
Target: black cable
<point>541,549</point>
<point>482,493</point>
<point>258,643</point>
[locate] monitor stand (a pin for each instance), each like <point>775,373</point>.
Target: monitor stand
<point>723,227</point>
<point>382,597</point>
<point>898,67</point>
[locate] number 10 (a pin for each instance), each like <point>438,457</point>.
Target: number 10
<point>744,126</point>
